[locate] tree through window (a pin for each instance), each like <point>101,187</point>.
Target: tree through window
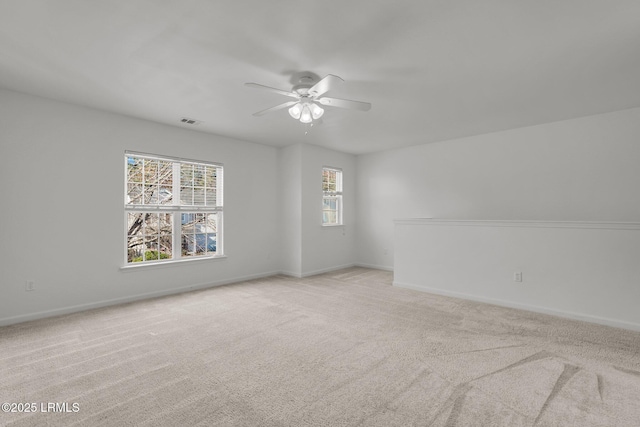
<point>173,208</point>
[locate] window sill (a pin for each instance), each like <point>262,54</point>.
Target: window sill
<point>143,266</point>
<point>332,225</point>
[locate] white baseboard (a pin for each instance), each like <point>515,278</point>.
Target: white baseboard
<point>316,272</point>
<point>374,266</point>
<point>326,270</point>
<point>105,303</point>
<point>290,274</point>
<point>335,268</point>
<point>536,309</point>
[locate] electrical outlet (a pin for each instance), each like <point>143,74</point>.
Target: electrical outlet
<point>29,285</point>
<point>517,276</point>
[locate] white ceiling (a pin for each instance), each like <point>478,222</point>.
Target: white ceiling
<point>433,69</point>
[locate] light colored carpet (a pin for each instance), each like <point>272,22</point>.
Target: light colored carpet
<point>339,349</point>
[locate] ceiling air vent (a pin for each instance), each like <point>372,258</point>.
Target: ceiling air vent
<point>189,121</point>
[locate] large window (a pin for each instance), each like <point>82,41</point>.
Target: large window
<point>331,196</point>
<point>173,208</point>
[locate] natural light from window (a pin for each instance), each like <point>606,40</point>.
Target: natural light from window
<point>331,196</point>
<point>161,227</point>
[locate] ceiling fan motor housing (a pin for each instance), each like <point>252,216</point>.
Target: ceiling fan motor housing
<point>305,83</point>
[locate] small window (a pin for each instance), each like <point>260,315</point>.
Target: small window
<point>173,209</point>
<point>331,196</point>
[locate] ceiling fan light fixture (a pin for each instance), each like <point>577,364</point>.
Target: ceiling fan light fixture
<point>316,111</point>
<point>295,111</point>
<point>305,115</point>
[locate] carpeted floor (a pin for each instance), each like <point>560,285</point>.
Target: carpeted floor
<point>339,349</point>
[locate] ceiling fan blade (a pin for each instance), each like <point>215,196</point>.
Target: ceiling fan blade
<point>324,85</point>
<point>345,103</point>
<point>276,108</point>
<point>273,89</point>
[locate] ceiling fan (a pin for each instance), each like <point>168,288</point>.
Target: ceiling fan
<point>308,96</point>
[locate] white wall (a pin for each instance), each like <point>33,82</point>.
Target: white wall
<point>584,270</point>
<point>308,247</point>
<point>326,248</point>
<point>290,178</point>
<point>62,221</point>
<point>58,160</point>
<point>576,170</point>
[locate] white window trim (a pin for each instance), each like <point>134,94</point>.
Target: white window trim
<point>339,198</point>
<point>177,210</point>
<point>171,262</point>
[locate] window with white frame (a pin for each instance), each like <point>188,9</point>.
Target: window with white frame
<point>331,196</point>
<point>173,209</point>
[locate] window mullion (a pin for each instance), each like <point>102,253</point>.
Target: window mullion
<point>177,216</point>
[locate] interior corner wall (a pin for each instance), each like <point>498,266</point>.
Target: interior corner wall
<point>584,169</point>
<point>290,164</point>
<point>62,222</point>
<point>308,248</point>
